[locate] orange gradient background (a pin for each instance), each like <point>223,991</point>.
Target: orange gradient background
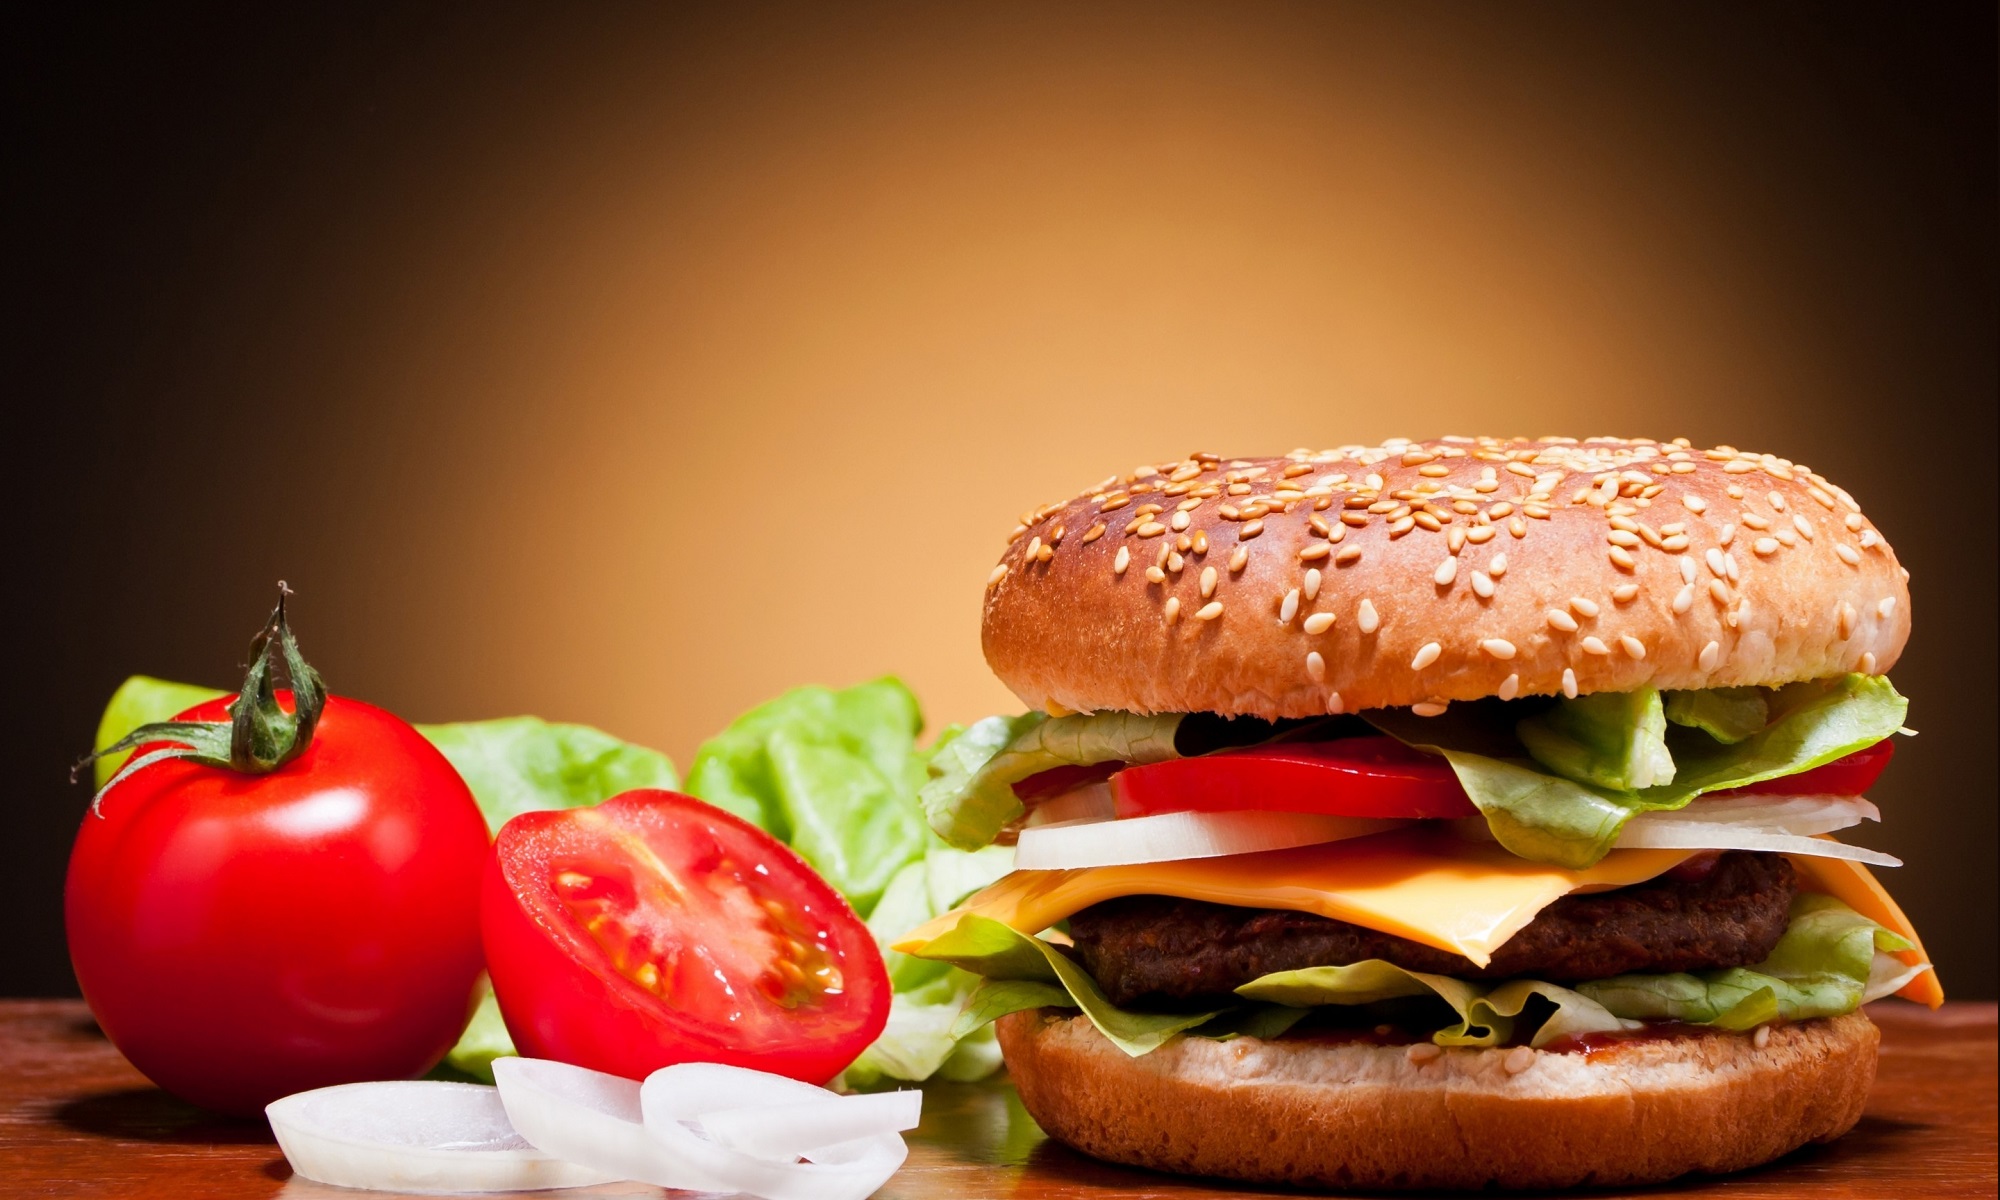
<point>629,367</point>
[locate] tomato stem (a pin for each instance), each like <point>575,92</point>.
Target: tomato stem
<point>259,736</point>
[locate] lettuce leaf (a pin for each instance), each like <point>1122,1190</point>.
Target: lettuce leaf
<point>525,764</point>
<point>141,700</point>
<point>1727,714</point>
<point>831,772</point>
<point>970,797</point>
<point>1821,967</point>
<point>1573,822</point>
<point>1487,1014</point>
<point>1615,740</point>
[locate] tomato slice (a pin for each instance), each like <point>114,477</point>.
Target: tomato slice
<point>1378,776</point>
<point>1373,776</point>
<point>1852,775</point>
<point>655,929</point>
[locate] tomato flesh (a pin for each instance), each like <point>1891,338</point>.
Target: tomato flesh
<point>1373,776</point>
<point>1378,776</point>
<point>656,929</point>
<point>242,937</point>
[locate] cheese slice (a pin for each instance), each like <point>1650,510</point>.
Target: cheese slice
<point>1425,885</point>
<point>1855,886</point>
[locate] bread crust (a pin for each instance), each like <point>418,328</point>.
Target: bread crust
<point>1367,1116</point>
<point>1623,563</point>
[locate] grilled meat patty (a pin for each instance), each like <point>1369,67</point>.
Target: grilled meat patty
<point>1723,911</point>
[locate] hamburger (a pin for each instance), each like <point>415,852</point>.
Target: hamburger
<point>1438,814</point>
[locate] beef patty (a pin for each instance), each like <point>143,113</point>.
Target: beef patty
<point>1724,911</point>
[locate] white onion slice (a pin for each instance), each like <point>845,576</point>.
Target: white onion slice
<point>415,1136</point>
<point>848,1170</point>
<point>1170,837</point>
<point>1793,814</point>
<point>801,1128</point>
<point>1641,834</point>
<point>584,1116</point>
<point>1888,975</point>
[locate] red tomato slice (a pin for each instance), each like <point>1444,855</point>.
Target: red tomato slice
<point>1373,776</point>
<point>655,929</point>
<point>1849,776</point>
<point>1378,776</point>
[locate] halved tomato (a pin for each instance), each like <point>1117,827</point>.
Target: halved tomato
<point>1373,776</point>
<point>655,929</point>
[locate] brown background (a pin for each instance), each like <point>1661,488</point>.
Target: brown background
<point>631,364</point>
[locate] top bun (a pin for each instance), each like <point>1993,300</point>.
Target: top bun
<point>1418,573</point>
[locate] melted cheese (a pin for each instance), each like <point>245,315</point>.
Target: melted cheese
<point>1855,886</point>
<point>1464,897</point>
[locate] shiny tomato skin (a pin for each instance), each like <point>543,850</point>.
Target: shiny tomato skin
<point>1372,776</point>
<point>564,998</point>
<point>1852,775</point>
<point>243,937</point>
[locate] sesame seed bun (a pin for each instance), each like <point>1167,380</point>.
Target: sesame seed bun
<point>1419,573</point>
<point>1368,1116</point>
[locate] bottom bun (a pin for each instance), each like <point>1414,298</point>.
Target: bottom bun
<point>1366,1116</point>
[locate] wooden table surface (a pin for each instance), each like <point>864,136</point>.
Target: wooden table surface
<point>77,1121</point>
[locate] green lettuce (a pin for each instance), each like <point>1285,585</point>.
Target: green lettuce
<point>1821,967</point>
<point>1727,714</point>
<point>1487,1014</point>
<point>832,773</point>
<point>142,700</point>
<point>525,764</point>
<point>970,796</point>
<point>1546,816</point>
<point>1615,740</point>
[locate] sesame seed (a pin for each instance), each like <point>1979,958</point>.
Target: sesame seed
<point>1710,656</point>
<point>1622,559</point>
<point>1333,703</point>
<point>1569,683</point>
<point>1753,521</point>
<point>1729,564</point>
<point>1209,611</point>
<point>1868,663</point>
<point>1350,554</point>
<point>1315,667</point>
<point>1713,558</point>
<point>1517,527</point>
<point>1312,584</point>
<point>1885,606</point>
<point>1869,539</point>
<point>1174,561</point>
<point>1401,526</point>
<point>1454,539</point>
<point>1318,623</point>
<point>1718,591</point>
<point>1207,582</point>
<point>1853,522</point>
<point>1314,552</point>
<point>1420,1053</point>
<point>1179,521</point>
<point>1497,566</point>
<point>1595,645</point>
<point>1694,504</point>
<point>1173,609</point>
<point>1365,617</point>
<point>1727,535</point>
<point>1632,646</point>
<point>1429,708</point>
<point>1289,607</point>
<point>1426,655</point>
<point>1123,560</point>
<point>999,573</point>
<point>1765,546</point>
<point>1848,554</point>
<point>1034,549</point>
<point>1445,573</point>
<point>1625,593</point>
<point>1499,648</point>
<point>1584,606</point>
<point>1561,621</point>
<point>1844,619</point>
<point>1151,529</point>
<point>1674,543</point>
<point>1762,1037</point>
<point>1482,585</point>
<point>1683,599</point>
<point>1519,1059</point>
<point>1355,519</point>
<point>1510,687</point>
<point>1619,537</point>
<point>1479,535</point>
<point>1249,530</point>
<point>1804,526</point>
<point>1155,575</point>
<point>1238,558</point>
<point>1687,570</point>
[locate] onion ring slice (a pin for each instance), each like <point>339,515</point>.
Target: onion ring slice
<point>415,1136</point>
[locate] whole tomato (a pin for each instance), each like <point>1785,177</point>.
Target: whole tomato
<point>242,934</point>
